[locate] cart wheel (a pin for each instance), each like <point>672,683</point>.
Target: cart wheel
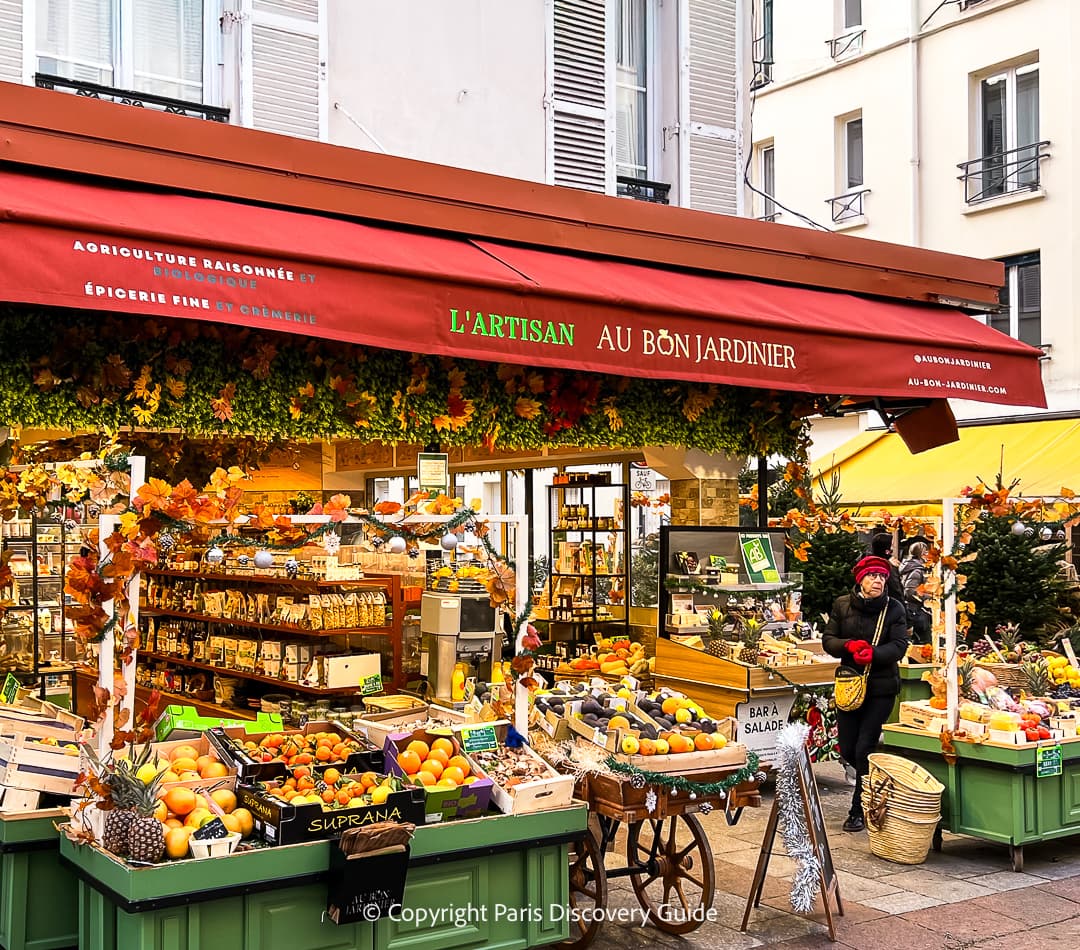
<point>675,883</point>
<point>588,891</point>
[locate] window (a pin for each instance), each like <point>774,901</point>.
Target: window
<point>1009,130</point>
<point>853,153</point>
<point>852,13</point>
<point>767,158</point>
<point>149,46</point>
<point>1021,300</point>
<point>761,13</point>
<point>631,89</point>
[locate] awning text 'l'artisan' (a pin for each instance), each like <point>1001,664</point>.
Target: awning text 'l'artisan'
<point>67,244</point>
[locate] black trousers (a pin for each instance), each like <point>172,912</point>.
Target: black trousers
<point>857,735</point>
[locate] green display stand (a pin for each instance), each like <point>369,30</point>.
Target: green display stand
<point>38,896</point>
<point>275,898</point>
<point>912,686</point>
<point>992,792</point>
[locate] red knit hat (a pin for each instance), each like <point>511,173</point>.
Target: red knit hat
<point>871,564</point>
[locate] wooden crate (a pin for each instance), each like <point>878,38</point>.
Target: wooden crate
<point>919,714</point>
<point>25,762</point>
<point>681,662</point>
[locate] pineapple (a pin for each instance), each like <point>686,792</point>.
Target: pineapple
<point>146,837</point>
<point>1009,634</point>
<point>1036,675</point>
<point>965,665</point>
<point>751,641</point>
<point>118,819</point>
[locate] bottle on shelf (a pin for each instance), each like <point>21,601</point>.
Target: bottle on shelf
<point>457,683</point>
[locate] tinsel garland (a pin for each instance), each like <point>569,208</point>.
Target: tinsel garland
<point>679,783</point>
<point>806,880</point>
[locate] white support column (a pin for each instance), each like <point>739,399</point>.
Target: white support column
<point>106,649</point>
<point>948,580</point>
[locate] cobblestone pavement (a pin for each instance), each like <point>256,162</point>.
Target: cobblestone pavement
<point>966,896</point>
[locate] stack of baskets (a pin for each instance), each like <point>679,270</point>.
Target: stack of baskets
<point>902,804</point>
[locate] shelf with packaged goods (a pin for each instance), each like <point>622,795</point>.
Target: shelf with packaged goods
<point>306,584</point>
<point>388,584</point>
<point>275,627</point>
<point>244,674</point>
<point>589,555</point>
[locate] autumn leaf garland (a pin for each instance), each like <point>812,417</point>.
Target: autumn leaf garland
<point>76,370</point>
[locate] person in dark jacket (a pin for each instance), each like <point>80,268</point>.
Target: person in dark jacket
<point>848,636</point>
<point>881,546</point>
<point>913,576</point>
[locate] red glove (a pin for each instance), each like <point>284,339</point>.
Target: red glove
<point>854,646</point>
<point>865,655</point>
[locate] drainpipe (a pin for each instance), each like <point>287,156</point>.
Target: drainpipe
<point>915,238</point>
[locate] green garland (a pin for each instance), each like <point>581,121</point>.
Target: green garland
<point>681,583</point>
<point>679,783</point>
<point>72,370</point>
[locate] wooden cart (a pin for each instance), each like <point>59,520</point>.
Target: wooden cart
<point>668,857</point>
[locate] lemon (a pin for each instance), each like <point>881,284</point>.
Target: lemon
<point>147,773</point>
<point>380,794</point>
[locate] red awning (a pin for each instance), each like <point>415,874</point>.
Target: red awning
<point>69,244</point>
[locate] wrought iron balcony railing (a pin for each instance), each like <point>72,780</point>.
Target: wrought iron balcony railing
<point>848,206</point>
<point>643,190</point>
<point>1003,172</point>
<point>144,100</point>
<point>847,45</point>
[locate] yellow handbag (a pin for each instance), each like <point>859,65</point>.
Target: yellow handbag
<point>849,684</point>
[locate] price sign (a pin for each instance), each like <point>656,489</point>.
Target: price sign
<point>433,472</point>
<point>1048,760</point>
<point>479,739</point>
<point>10,689</point>
<point>371,684</point>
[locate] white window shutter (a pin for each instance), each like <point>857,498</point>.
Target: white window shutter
<point>580,120</point>
<point>11,40</point>
<point>713,107</point>
<point>283,67</point>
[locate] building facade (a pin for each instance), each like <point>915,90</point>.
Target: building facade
<point>632,97</point>
<point>945,125</point>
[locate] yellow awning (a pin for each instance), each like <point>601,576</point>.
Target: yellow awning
<point>877,470</point>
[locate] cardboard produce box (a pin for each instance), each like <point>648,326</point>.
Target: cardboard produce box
<point>441,804</point>
<point>281,823</point>
<point>229,741</point>
<point>184,722</point>
<point>378,726</point>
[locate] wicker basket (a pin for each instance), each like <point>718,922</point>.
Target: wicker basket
<point>902,803</point>
<point>1008,675</point>
<point>906,775</point>
<point>399,702</point>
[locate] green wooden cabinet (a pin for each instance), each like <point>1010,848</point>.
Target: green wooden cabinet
<point>38,896</point>
<point>466,880</point>
<point>992,792</point>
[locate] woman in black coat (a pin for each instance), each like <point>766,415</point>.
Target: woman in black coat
<point>848,636</point>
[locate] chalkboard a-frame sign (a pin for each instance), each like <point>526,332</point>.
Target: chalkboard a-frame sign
<point>815,827</point>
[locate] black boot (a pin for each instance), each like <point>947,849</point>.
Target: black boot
<point>854,823</point>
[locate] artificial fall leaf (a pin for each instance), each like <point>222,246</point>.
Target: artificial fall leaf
<point>529,682</point>
<point>614,418</point>
<point>698,402</point>
<point>121,737</point>
<point>296,408</point>
<point>176,388</point>
<point>337,507</point>
<point>222,406</point>
<point>154,493</point>
<point>141,388</point>
<point>44,379</point>
<point>387,508</point>
<point>121,719</point>
<point>501,582</point>
<point>441,423</point>
<point>527,408</point>
<point>142,415</point>
<point>521,664</point>
<point>456,379</point>
<point>307,391</point>
<point>100,704</point>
